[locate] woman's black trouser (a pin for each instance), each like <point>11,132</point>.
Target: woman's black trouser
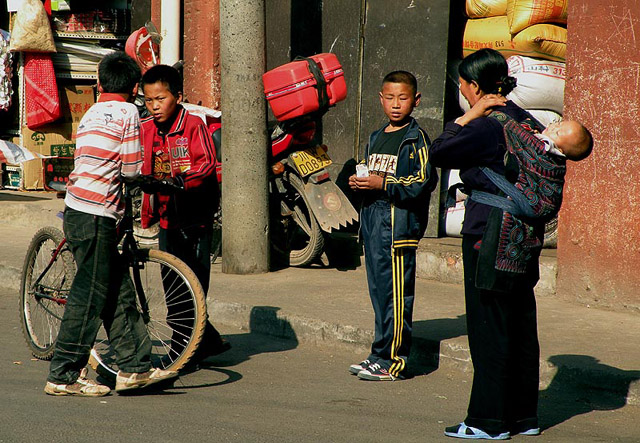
<point>503,340</point>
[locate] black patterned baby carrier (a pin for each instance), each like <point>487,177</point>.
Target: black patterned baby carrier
<point>513,237</point>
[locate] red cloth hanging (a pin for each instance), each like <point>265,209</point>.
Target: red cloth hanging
<point>41,90</point>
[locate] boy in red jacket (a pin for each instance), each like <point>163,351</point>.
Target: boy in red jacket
<point>179,152</point>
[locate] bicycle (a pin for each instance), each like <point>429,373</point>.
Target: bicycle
<point>170,297</point>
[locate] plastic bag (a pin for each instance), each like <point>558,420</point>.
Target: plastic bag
<point>31,30</point>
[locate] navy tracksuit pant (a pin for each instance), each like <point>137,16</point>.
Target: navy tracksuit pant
<point>391,278</point>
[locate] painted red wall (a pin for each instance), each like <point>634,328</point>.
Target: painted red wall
<point>598,244</point>
<point>200,49</point>
<point>201,52</point>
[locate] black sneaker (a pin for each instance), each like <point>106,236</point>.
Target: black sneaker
<point>364,364</point>
<point>375,372</point>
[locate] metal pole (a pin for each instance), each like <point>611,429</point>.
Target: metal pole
<point>170,31</point>
<point>245,226</point>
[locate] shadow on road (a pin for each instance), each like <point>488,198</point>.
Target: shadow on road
<point>267,333</point>
<point>427,337</point>
<point>20,197</point>
<point>581,385</point>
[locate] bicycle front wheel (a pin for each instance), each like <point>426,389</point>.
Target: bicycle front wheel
<point>47,275</point>
<point>172,304</point>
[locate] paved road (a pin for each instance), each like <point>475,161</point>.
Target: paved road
<point>272,390</point>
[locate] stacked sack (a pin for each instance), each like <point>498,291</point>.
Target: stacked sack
<point>531,35</point>
<point>533,28</point>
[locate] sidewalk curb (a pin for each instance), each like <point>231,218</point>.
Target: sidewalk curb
<point>450,353</point>
<point>441,260</point>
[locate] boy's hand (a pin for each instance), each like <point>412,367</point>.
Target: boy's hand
<point>371,183</point>
<point>151,185</point>
<point>171,184</point>
<point>482,108</point>
<point>352,182</point>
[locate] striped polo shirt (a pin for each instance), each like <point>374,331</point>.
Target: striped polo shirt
<point>107,152</point>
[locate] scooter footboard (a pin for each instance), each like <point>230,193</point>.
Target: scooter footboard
<point>330,206</point>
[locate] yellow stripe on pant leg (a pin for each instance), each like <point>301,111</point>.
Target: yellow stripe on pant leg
<point>396,289</point>
<point>401,309</point>
<point>394,273</point>
<point>398,308</point>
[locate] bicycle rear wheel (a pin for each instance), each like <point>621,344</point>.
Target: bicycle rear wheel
<point>172,304</point>
<point>44,288</point>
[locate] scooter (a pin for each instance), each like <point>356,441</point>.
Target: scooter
<point>304,201</point>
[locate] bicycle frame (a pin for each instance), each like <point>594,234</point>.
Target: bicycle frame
<point>54,257</point>
<point>130,252</point>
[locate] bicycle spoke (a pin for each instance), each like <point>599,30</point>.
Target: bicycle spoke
<point>175,316</point>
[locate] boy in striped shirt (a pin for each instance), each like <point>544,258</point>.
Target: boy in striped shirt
<point>107,153</point>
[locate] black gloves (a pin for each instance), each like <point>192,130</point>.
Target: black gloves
<point>168,185</point>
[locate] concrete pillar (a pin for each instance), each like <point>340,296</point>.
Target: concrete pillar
<point>245,227</point>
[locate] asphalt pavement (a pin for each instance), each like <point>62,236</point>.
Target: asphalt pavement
<point>329,306</point>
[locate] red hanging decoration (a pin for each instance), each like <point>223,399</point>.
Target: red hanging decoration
<point>41,90</point>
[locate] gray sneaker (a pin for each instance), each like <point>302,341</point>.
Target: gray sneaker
<point>134,380</point>
<point>82,387</point>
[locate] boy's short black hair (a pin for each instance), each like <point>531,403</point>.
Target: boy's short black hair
<point>118,73</point>
<point>402,77</point>
<point>166,74</point>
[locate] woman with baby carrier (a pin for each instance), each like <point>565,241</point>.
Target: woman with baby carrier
<point>501,321</point>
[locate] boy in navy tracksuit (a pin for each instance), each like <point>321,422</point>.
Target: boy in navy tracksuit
<point>396,186</point>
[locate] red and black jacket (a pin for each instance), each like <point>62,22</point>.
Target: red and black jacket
<point>191,154</point>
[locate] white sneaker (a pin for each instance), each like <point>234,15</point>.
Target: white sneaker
<point>532,431</point>
<point>463,431</point>
<point>135,380</point>
<point>82,387</point>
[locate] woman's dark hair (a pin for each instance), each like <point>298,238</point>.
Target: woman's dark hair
<point>118,73</point>
<point>165,74</point>
<point>488,68</point>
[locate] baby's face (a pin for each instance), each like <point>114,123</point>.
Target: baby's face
<point>564,134</point>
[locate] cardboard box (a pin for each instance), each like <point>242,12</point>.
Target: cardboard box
<point>32,177</point>
<point>58,138</point>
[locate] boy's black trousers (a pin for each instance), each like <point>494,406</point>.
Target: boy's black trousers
<point>391,278</point>
<point>192,246</point>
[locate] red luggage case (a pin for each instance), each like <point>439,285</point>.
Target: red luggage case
<point>292,91</point>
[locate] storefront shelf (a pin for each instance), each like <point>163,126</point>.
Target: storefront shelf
<point>90,35</point>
